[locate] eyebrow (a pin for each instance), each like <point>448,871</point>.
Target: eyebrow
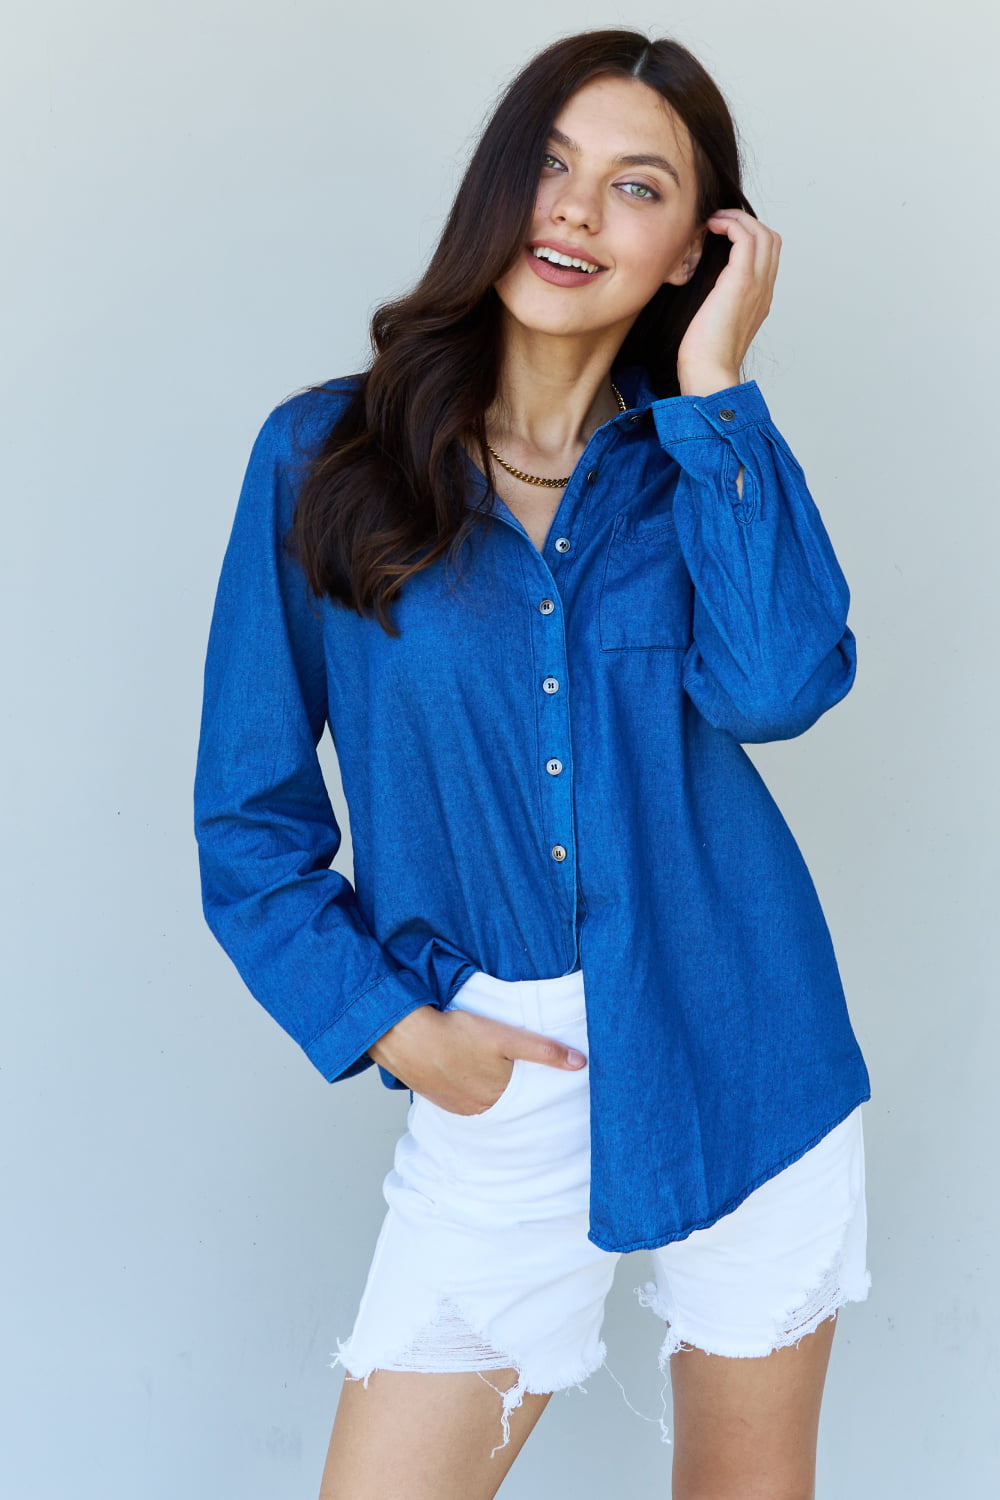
<point>642,159</point>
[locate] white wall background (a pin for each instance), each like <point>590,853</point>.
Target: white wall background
<point>202,204</point>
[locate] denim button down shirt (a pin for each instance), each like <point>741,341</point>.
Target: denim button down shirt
<point>545,772</point>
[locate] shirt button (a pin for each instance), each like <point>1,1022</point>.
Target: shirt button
<point>726,414</point>
<point>553,766</point>
<point>634,418</point>
<point>550,685</point>
<point>547,606</point>
<point>563,543</point>
<point>592,477</point>
<point>558,852</point>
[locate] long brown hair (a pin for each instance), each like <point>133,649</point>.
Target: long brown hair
<point>386,493</point>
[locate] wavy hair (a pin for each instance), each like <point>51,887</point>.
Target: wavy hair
<point>386,492</point>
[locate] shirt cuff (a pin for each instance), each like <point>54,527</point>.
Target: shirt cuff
<point>371,1016</point>
<point>681,419</point>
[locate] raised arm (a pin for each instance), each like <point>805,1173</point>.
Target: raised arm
<point>772,649</point>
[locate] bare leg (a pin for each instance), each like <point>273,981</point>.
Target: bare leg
<point>413,1436</point>
<point>746,1429</point>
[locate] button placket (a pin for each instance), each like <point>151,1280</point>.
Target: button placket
<point>556,801</point>
<point>554,718</point>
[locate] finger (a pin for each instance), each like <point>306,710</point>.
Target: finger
<point>758,260</point>
<point>740,216</point>
<point>746,246</point>
<point>736,219</point>
<point>548,1050</point>
<point>535,1047</point>
<point>766,262</point>
<point>740,227</point>
<point>770,257</point>
<point>518,1041</point>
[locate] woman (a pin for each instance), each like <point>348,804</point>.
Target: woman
<point>541,750</point>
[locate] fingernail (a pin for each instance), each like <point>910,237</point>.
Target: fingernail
<point>575,1059</point>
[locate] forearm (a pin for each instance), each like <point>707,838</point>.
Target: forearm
<point>771,650</point>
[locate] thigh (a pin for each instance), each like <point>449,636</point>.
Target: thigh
<point>751,1304</point>
<point>484,1294</point>
<point>777,1266</point>
<point>747,1427</point>
<point>416,1436</point>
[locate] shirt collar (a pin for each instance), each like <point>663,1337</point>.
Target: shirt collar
<point>631,380</point>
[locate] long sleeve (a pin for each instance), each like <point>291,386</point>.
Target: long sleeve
<point>771,647</point>
<point>265,829</point>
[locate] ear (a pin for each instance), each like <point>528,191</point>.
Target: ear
<point>688,263</point>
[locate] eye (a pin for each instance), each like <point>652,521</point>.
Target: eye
<point>645,193</point>
<point>548,160</point>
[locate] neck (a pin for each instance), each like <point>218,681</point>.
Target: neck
<point>553,392</point>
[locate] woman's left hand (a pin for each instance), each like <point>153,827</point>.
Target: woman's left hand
<point>722,330</point>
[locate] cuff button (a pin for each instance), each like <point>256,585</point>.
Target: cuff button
<point>726,414</point>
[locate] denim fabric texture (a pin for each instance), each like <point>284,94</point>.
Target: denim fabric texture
<point>545,772</point>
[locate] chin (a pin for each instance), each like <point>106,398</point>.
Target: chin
<point>557,329</point>
<point>538,315</point>
<point>539,311</point>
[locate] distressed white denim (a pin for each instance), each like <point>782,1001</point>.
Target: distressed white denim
<point>483,1262</point>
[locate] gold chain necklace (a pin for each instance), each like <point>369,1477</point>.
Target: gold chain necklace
<point>549,484</point>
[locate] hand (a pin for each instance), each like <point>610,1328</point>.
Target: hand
<point>722,330</point>
<point>462,1061</point>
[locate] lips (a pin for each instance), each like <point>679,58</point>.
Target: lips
<point>567,276</point>
<point>555,251</point>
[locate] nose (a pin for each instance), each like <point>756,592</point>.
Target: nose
<point>576,204</point>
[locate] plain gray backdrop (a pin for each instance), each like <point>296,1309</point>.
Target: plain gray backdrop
<point>203,204</point>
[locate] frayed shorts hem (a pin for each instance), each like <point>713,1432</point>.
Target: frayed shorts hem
<point>484,1261</point>
<point>682,1337</point>
<point>568,1378</point>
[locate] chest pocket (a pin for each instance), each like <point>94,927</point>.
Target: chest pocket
<point>647,598</point>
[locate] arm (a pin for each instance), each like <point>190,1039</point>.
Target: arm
<point>771,649</point>
<point>264,825</point>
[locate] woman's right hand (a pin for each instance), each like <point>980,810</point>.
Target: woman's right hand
<point>462,1061</point>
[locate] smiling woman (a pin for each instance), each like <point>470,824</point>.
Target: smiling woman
<point>387,494</point>
<point>632,212</point>
<point>581,935</point>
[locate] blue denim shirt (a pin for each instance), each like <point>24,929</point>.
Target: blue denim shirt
<point>545,772</point>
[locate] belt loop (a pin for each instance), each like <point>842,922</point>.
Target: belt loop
<point>536,1021</point>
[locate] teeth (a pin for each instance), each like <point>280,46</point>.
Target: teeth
<point>542,252</point>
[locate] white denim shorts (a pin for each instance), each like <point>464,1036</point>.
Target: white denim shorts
<point>483,1262</point>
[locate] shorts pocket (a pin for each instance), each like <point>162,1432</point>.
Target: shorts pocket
<point>499,1105</point>
<point>647,598</point>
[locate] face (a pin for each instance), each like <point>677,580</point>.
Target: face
<point>618,191</point>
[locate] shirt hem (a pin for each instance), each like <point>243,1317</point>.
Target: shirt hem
<point>733,1203</point>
